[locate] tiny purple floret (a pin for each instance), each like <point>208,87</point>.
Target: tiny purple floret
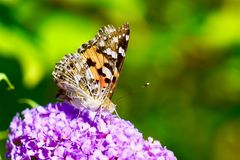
<point>61,132</point>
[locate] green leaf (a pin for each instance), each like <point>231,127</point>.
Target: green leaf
<point>4,77</point>
<point>32,63</point>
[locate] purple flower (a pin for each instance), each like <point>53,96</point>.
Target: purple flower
<point>60,131</point>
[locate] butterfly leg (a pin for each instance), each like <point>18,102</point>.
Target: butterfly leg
<point>78,115</point>
<point>116,113</point>
<point>98,114</point>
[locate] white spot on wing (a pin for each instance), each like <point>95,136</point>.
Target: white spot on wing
<point>127,37</point>
<point>107,72</point>
<point>77,78</point>
<point>121,51</point>
<point>111,29</point>
<point>115,39</point>
<point>101,43</point>
<point>110,52</point>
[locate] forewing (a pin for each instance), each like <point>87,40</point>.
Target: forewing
<point>105,54</point>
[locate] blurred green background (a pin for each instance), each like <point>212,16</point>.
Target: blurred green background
<point>189,52</point>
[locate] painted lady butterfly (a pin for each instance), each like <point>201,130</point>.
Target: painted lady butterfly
<point>88,78</point>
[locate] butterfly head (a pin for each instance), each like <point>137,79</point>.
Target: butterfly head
<point>108,105</point>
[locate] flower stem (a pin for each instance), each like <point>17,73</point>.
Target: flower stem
<point>4,77</point>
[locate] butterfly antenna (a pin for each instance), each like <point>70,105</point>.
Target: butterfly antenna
<point>98,114</point>
<point>78,115</point>
<point>145,85</point>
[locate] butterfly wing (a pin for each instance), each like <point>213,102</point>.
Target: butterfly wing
<point>75,80</point>
<point>92,73</point>
<point>111,45</point>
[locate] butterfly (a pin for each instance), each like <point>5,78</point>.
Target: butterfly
<point>88,78</point>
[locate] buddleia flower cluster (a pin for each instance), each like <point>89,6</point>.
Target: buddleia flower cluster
<point>61,132</point>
